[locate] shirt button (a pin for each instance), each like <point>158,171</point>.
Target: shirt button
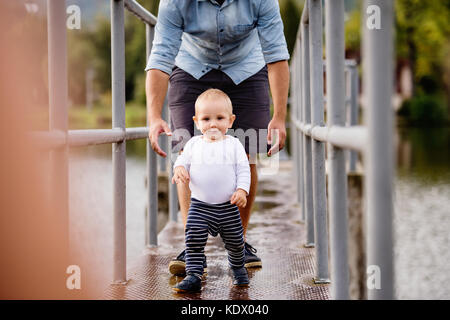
<point>221,30</point>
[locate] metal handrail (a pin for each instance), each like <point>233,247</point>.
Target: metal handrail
<point>351,137</point>
<point>86,137</point>
<point>139,11</point>
<point>310,136</point>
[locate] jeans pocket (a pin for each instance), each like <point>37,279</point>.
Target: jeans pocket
<point>178,74</point>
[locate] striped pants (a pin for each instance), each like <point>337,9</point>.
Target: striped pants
<point>204,218</point>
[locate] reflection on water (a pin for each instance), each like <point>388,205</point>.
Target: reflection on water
<point>424,153</point>
<point>422,213</point>
<point>91,210</point>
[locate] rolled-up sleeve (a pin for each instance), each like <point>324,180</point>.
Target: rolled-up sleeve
<point>167,40</point>
<point>270,31</point>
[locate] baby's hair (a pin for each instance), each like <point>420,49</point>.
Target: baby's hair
<point>215,93</point>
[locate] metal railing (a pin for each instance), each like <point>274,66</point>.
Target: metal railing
<point>309,135</point>
<point>374,140</point>
<point>58,139</point>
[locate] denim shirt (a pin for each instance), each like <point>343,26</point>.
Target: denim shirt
<point>239,37</point>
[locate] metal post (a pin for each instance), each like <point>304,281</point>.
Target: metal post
<point>337,178</point>
<point>307,156</point>
<point>119,148</point>
<point>173,192</point>
<point>354,90</point>
<point>299,139</point>
<point>300,133</point>
<point>173,198</point>
<point>379,157</point>
<point>293,131</point>
<point>152,195</point>
<point>164,139</point>
<point>152,170</point>
<point>58,88</point>
<point>318,148</point>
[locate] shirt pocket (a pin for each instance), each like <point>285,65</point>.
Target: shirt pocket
<point>243,28</point>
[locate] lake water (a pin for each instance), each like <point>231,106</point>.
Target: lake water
<point>422,214</point>
<point>421,220</point>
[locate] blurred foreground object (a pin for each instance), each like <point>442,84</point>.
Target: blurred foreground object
<point>33,230</point>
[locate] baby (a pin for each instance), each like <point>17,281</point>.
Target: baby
<point>217,169</point>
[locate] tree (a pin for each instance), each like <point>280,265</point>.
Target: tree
<point>423,37</point>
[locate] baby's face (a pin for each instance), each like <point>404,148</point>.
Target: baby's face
<point>213,118</point>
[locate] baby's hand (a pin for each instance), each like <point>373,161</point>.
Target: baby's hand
<point>180,175</point>
<point>239,198</point>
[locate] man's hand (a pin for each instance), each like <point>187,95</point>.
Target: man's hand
<point>180,175</point>
<point>239,198</point>
<point>157,127</point>
<point>276,126</point>
<point>156,88</point>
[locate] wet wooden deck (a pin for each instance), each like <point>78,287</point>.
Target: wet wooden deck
<point>275,230</point>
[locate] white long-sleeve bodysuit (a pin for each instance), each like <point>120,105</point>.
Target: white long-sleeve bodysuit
<point>216,169</point>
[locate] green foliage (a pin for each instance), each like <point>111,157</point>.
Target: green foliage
<point>135,59</point>
<point>424,110</point>
<point>139,90</point>
<point>423,37</point>
<point>80,55</point>
<point>353,30</point>
<point>100,117</point>
<point>290,11</point>
<point>90,48</point>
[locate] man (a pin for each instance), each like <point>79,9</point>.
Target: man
<point>237,46</point>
